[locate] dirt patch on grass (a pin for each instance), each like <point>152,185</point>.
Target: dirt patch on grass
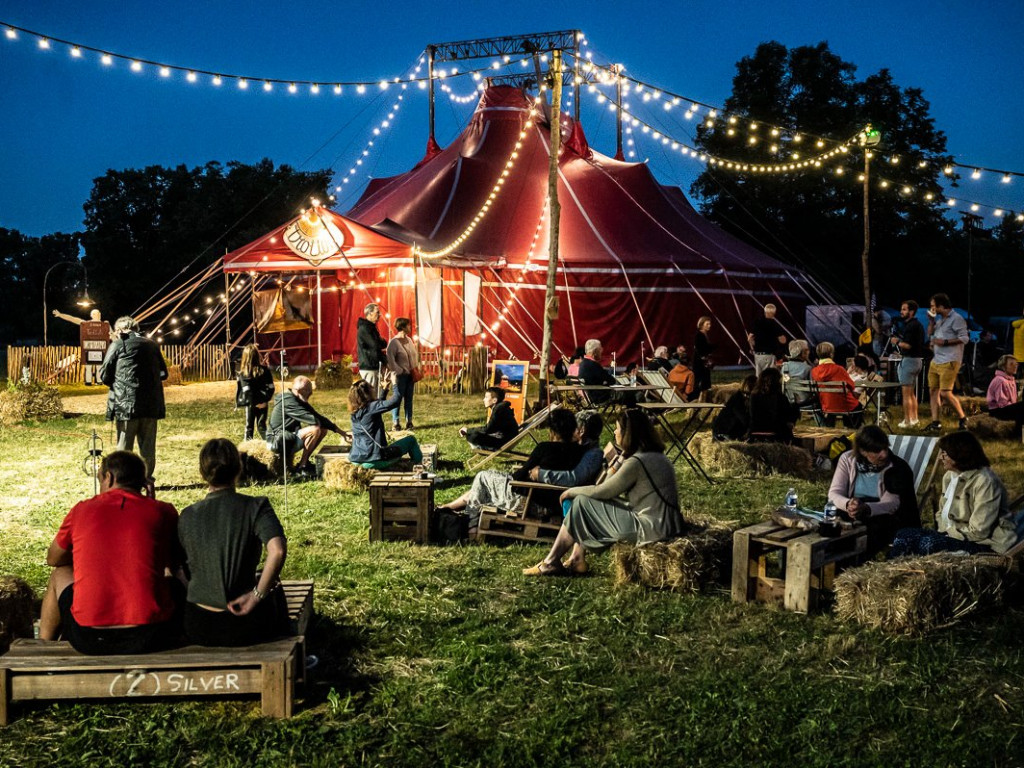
<point>96,403</point>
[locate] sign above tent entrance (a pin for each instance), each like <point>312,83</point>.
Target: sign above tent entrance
<point>313,238</point>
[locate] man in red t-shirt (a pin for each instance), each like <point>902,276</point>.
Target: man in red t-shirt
<point>110,591</point>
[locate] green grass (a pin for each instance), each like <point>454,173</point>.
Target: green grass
<point>449,656</point>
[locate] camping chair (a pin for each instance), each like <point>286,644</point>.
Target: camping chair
<point>807,395</point>
<point>668,393</point>
<point>506,451</point>
<point>919,452</point>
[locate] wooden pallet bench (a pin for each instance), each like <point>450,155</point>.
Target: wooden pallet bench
<point>37,670</point>
<point>496,525</point>
<point>807,563</point>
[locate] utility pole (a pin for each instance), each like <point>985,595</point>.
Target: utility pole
<point>869,139</point>
<point>970,221</point>
<point>550,297</point>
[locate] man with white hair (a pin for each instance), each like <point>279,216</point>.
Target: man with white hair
<point>592,373</point>
<point>371,346</point>
<point>766,339</point>
<point>94,337</point>
<point>296,425</point>
<point>135,370</point>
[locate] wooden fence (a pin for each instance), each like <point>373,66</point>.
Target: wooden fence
<point>61,365</point>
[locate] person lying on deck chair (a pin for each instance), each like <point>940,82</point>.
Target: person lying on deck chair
<point>370,446</point>
<point>494,487</point>
<point>589,426</point>
<point>598,518</point>
<point>224,536</point>
<point>501,426</point>
<point>111,589</point>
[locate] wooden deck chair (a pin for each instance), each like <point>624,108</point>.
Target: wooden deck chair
<point>530,486</point>
<point>919,452</point>
<point>658,379</point>
<point>507,450</point>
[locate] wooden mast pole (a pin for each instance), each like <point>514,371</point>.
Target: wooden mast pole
<point>550,297</point>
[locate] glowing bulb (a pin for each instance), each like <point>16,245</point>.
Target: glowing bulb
<point>11,34</point>
<point>216,80</point>
<point>165,71</point>
<point>44,43</point>
<point>243,84</point>
<point>951,202</point>
<point>292,88</point>
<point>974,207</point>
<point>361,88</point>
<point>948,170</point>
<point>976,174</point>
<point>268,86</point>
<point>136,66</point>
<point>76,52</point>
<point>191,77</point>
<point>314,89</point>
<point>1006,178</point>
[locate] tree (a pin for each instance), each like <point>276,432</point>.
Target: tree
<point>25,261</point>
<point>816,215</point>
<point>145,227</point>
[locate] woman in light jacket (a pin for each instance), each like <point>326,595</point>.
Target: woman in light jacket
<point>403,357</point>
<point>974,515</point>
<point>598,518</point>
<point>875,487</point>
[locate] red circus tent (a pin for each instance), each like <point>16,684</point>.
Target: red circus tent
<point>637,264</point>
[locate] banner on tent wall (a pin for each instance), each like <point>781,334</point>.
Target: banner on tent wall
<point>511,376</point>
<point>428,310</point>
<point>279,310</point>
<point>471,304</point>
<point>313,238</point>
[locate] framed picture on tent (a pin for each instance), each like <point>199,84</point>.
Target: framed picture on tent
<point>511,375</point>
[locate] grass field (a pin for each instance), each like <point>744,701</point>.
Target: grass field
<point>449,656</point>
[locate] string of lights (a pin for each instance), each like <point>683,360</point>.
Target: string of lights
<point>166,71</point>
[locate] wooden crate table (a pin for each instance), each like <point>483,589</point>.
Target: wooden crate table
<point>38,670</point>
<point>401,507</point>
<point>807,560</point>
<point>331,453</point>
<point>496,525</point>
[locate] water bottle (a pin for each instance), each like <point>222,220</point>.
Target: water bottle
<point>830,513</point>
<point>632,379</point>
<point>791,498</point>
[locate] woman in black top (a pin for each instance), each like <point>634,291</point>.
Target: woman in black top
<point>224,537</point>
<point>254,390</point>
<point>702,363</point>
<point>772,415</point>
<point>734,419</point>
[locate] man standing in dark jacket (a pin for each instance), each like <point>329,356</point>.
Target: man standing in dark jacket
<point>371,347</point>
<point>296,425</point>
<point>500,428</point>
<point>134,369</point>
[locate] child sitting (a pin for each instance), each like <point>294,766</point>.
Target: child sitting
<point>501,426</point>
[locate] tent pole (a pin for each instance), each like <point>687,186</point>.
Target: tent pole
<point>227,319</point>
<point>431,51</point>
<point>576,77</point>
<point>550,296</point>
<point>618,113</point>
<point>319,321</point>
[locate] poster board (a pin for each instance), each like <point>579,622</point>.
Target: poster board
<point>511,375</point>
<point>94,336</point>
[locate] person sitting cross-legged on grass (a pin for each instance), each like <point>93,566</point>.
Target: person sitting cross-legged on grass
<point>369,440</point>
<point>597,518</point>
<point>224,536</point>
<point>501,426</point>
<point>111,589</point>
<point>974,515</point>
<point>494,487</point>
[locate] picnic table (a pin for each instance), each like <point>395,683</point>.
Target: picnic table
<point>679,437</point>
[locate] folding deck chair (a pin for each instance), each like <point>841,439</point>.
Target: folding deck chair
<point>507,450</point>
<point>919,452</point>
<point>658,379</point>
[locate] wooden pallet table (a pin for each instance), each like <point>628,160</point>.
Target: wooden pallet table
<point>401,507</point>
<point>37,670</point>
<point>496,525</point>
<point>807,563</point>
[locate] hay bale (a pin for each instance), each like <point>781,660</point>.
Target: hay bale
<point>990,428</point>
<point>344,476</point>
<point>17,603</point>
<point>686,564</point>
<point>914,595</point>
<point>334,374</point>
<point>33,400</point>
<point>972,406</point>
<point>719,393</point>
<point>173,376</point>
<point>752,459</point>
<point>259,463</point>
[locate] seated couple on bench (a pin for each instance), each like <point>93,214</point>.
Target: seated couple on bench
<point>119,576</point>
<point>571,456</point>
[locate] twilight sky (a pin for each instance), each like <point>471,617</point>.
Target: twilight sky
<point>65,121</point>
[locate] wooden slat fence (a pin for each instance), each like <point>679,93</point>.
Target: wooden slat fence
<point>60,364</point>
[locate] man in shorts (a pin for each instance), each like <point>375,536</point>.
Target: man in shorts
<point>910,343</point>
<point>948,332</point>
<point>110,591</point>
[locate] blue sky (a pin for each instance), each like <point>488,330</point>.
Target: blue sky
<point>66,121</point>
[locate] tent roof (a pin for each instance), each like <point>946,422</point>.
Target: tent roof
<point>613,213</point>
<point>323,233</point>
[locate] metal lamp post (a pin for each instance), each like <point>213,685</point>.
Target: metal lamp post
<point>85,301</point>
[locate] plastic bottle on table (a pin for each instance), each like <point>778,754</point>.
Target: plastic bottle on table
<point>791,498</point>
<point>830,513</point>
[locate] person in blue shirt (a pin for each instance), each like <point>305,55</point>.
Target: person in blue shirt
<point>370,446</point>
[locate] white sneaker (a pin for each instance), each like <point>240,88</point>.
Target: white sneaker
<point>907,424</point>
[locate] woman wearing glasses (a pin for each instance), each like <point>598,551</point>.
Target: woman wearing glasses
<point>974,515</point>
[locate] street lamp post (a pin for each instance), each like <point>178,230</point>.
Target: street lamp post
<point>46,277</point>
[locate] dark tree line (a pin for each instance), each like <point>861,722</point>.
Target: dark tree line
<point>143,228</point>
<point>815,218</point>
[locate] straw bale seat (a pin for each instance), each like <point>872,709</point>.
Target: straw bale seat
<point>990,428</point>
<point>17,601</point>
<point>173,376</point>
<point>259,463</point>
<point>686,564</point>
<point>915,595</point>
<point>972,406</point>
<point>345,476</point>
<point>739,459</point>
<point>719,393</point>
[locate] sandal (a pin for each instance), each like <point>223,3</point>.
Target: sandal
<point>545,569</point>
<point>578,568</point>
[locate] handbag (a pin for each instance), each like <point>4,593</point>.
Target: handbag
<point>417,374</point>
